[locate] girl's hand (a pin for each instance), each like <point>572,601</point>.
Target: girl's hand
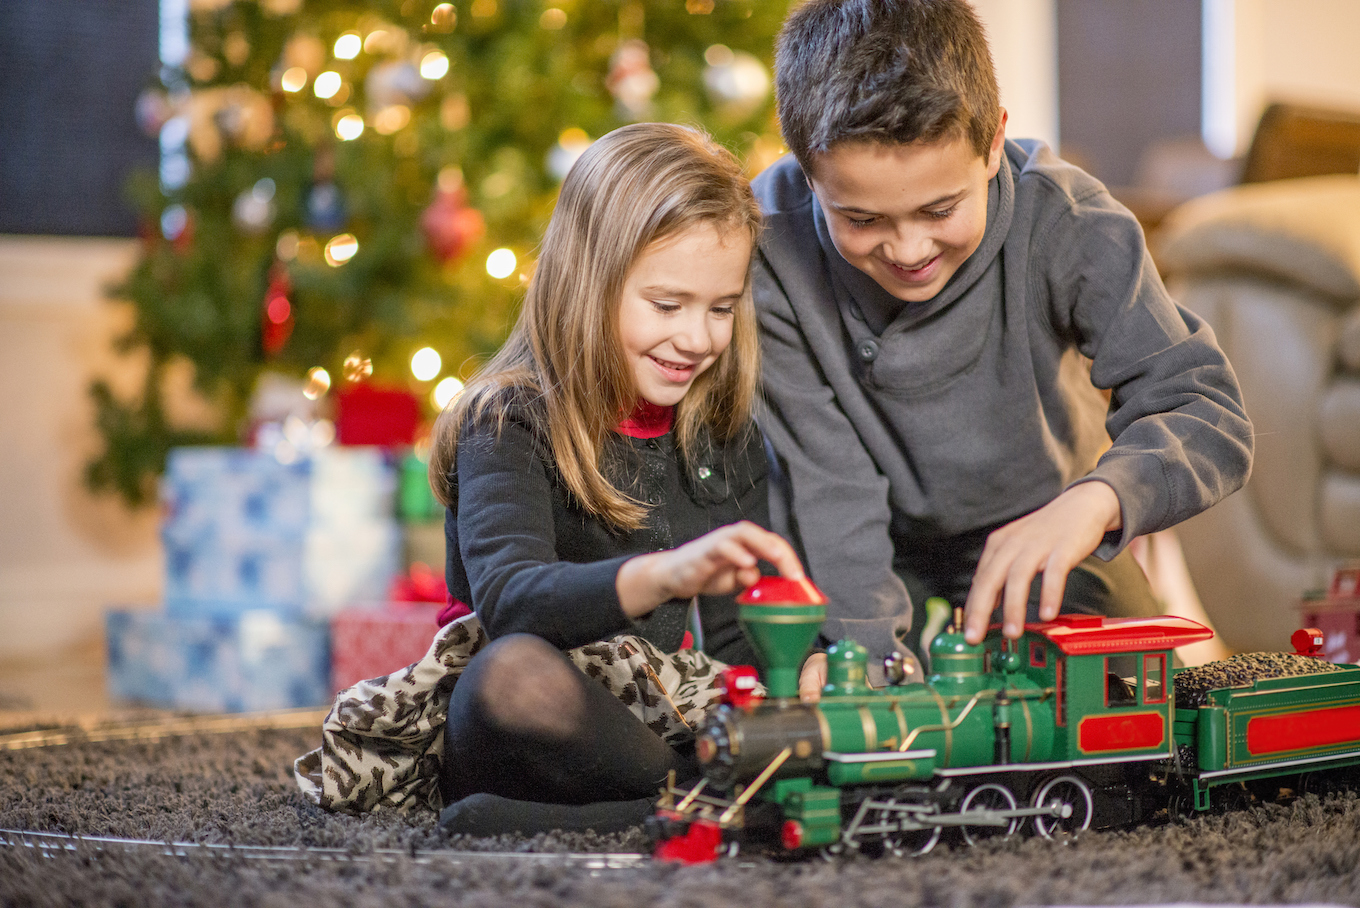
<point>719,562</point>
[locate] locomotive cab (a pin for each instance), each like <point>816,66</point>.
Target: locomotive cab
<point>1110,678</point>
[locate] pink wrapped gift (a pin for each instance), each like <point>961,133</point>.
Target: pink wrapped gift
<point>370,641</point>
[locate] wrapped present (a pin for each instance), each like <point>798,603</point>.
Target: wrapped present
<point>415,499</point>
<point>224,491</point>
<point>371,641</point>
<point>255,660</point>
<point>244,531</point>
<point>315,573</point>
<point>370,415</point>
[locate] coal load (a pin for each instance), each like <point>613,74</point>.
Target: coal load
<point>1193,684</point>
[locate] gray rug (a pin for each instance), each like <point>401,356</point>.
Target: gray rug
<point>237,789</point>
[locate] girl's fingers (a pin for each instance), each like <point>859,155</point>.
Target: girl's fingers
<point>771,547</point>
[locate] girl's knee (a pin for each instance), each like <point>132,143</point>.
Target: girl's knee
<point>524,683</point>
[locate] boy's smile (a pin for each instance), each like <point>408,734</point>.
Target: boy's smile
<point>906,215</point>
<point>675,318</point>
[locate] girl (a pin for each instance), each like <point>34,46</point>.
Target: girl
<point>601,473</point>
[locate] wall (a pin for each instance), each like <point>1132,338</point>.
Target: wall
<point>64,555</point>
<point>1295,50</point>
<point>1023,37</point>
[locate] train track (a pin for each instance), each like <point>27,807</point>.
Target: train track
<point>159,728</point>
<point>54,844</point>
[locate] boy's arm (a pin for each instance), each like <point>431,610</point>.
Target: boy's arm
<point>1181,437</point>
<point>839,508</point>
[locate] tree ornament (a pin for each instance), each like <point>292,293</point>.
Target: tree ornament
<point>253,210</point>
<point>737,83</point>
<point>326,207</point>
<point>245,117</point>
<point>276,316</point>
<point>450,225</point>
<point>357,367</point>
<point>631,79</point>
<point>395,82</point>
<point>177,226</point>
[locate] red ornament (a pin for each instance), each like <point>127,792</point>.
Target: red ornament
<point>276,316</point>
<point>450,226</point>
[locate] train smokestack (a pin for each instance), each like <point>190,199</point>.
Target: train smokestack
<point>781,618</point>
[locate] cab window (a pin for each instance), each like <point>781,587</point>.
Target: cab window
<point>1121,679</point>
<point>1038,654</point>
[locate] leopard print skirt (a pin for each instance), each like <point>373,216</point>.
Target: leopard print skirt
<point>383,740</point>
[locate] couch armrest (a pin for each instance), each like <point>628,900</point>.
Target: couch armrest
<point>1304,231</point>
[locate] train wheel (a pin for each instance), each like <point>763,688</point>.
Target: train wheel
<point>989,796</point>
<point>1180,806</point>
<point>906,842</point>
<point>1073,795</point>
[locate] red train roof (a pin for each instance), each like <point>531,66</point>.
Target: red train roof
<point>1079,635</point>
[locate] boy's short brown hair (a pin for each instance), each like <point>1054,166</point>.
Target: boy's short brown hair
<point>897,71</point>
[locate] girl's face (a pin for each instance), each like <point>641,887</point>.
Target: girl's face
<point>676,314</point>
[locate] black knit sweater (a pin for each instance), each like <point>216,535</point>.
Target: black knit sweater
<point>527,558</point>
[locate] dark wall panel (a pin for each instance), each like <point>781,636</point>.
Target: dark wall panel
<point>70,73</point>
<point>1128,75</point>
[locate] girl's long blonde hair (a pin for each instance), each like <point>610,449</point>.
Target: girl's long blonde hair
<point>638,185</point>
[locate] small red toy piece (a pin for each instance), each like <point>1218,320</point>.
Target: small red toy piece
<point>1308,641</point>
<point>739,683</point>
<point>699,844</point>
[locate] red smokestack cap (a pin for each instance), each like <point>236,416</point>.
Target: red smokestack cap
<point>782,591</point>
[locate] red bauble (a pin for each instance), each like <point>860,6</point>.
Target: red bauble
<point>276,314</point>
<point>450,226</point>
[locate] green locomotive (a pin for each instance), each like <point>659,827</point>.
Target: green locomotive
<point>1073,726</point>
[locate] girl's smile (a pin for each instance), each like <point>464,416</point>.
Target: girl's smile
<point>675,317</point>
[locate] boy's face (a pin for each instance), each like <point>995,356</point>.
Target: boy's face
<point>907,215</point>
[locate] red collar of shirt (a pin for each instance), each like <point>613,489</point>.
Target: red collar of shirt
<point>647,421</point>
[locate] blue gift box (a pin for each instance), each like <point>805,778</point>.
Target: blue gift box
<point>246,662</point>
<point>224,491</point>
<point>245,531</point>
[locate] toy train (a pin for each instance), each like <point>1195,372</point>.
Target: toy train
<point>1081,723</point>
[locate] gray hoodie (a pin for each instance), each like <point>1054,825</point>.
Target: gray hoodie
<point>896,423</point>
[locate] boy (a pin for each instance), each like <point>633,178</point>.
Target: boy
<point>929,295</point>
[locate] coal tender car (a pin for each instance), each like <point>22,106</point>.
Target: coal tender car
<point>1081,723</point>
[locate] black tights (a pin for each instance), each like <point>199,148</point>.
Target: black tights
<point>525,723</point>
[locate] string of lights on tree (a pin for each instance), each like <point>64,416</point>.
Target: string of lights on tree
<point>351,192</point>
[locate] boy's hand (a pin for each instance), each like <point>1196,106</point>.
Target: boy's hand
<point>720,561</point>
<point>812,679</point>
<point>1050,541</point>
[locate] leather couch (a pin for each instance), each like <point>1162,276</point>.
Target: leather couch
<point>1275,269</point>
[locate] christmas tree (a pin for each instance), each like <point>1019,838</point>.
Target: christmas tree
<point>346,183</point>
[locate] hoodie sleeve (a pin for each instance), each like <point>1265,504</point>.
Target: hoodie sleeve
<point>829,487</point>
<point>1181,437</point>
